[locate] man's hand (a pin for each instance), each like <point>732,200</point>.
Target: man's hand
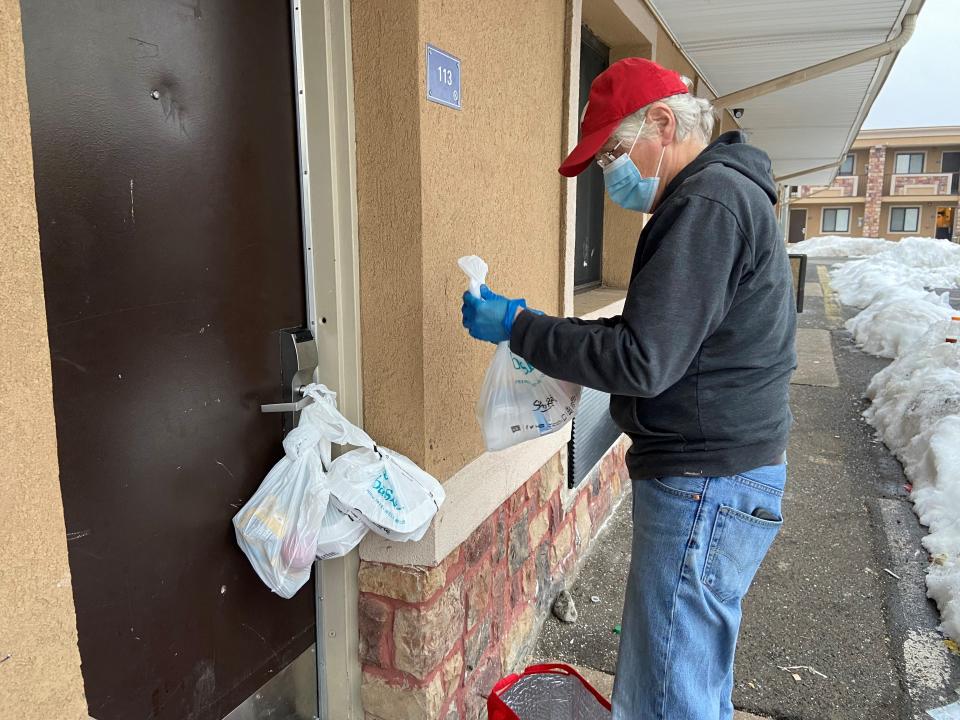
<point>490,316</point>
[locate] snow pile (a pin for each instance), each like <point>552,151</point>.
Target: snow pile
<point>916,399</point>
<point>916,411</point>
<point>897,317</point>
<point>917,263</point>
<point>840,246</point>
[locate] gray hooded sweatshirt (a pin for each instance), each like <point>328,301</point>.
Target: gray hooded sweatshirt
<point>699,363</point>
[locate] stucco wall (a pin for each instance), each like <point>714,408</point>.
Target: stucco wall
<point>621,24</point>
<point>387,91</point>
<point>860,168</point>
<point>932,162</point>
<point>928,219</point>
<point>908,137</point>
<point>436,183</point>
<point>815,218</point>
<point>489,187</point>
<point>39,660</point>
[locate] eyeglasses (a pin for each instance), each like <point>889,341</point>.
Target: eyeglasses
<point>605,157</point>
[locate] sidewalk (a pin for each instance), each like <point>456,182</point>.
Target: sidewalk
<point>822,598</point>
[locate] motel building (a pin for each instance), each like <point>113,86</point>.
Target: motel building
<point>192,187</point>
<point>891,184</point>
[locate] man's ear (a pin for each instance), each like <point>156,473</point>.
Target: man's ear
<point>662,116</point>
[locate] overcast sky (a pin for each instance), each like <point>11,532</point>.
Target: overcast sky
<point>924,85</point>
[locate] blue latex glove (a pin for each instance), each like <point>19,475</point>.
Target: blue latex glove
<point>490,316</point>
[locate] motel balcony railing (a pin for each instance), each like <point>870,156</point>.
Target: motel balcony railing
<point>912,184</point>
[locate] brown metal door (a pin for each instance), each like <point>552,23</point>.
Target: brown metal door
<point>798,226</point>
<point>167,190</point>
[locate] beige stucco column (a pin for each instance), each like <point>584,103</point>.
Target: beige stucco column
<point>435,183</point>
<point>39,660</point>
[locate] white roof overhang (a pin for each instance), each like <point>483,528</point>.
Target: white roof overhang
<point>739,43</point>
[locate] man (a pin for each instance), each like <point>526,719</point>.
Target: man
<point>698,367</point>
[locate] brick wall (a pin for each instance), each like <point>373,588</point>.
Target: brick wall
<point>842,186</point>
<point>435,640</point>
<point>871,211</point>
<point>940,182</point>
<point>847,184</point>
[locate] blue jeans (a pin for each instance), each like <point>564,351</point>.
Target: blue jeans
<point>697,543</point>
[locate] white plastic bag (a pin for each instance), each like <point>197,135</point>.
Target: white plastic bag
<point>383,489</point>
<point>517,402</point>
<point>339,533</point>
<point>279,526</point>
<point>388,491</point>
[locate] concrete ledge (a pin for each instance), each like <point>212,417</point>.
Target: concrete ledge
<point>599,302</point>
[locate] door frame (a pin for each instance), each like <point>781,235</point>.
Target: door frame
<point>326,133</point>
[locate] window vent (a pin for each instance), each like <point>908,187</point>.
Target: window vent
<point>594,433</point>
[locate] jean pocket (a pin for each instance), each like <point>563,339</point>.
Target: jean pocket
<point>690,488</point>
<point>738,545</point>
<point>769,479</point>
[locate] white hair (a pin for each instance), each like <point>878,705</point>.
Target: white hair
<point>695,118</point>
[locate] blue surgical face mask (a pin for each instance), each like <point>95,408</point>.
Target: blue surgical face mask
<point>626,186</point>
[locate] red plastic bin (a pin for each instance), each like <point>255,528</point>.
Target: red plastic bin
<point>551,691</point>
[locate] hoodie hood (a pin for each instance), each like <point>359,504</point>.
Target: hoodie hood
<point>731,149</point>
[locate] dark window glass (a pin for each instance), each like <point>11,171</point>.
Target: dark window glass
<point>846,167</point>
<point>909,163</point>
<point>836,220</point>
<point>904,219</point>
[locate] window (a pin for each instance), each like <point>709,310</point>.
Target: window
<point>909,163</point>
<point>846,167</point>
<point>904,219</point>
<point>836,220</point>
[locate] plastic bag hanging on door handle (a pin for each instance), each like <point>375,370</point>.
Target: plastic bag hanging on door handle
<point>381,488</point>
<point>334,426</point>
<point>279,527</point>
<point>517,402</point>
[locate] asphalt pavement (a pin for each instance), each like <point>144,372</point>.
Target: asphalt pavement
<point>840,599</point>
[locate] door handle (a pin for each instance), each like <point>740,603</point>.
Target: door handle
<point>286,407</point>
<point>298,363</point>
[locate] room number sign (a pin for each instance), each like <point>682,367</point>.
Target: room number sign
<point>443,78</point>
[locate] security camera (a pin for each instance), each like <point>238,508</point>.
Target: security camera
<point>738,113</point>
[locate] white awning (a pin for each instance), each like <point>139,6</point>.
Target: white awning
<point>739,43</point>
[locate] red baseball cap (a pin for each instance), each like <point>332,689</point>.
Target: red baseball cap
<point>619,91</point>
